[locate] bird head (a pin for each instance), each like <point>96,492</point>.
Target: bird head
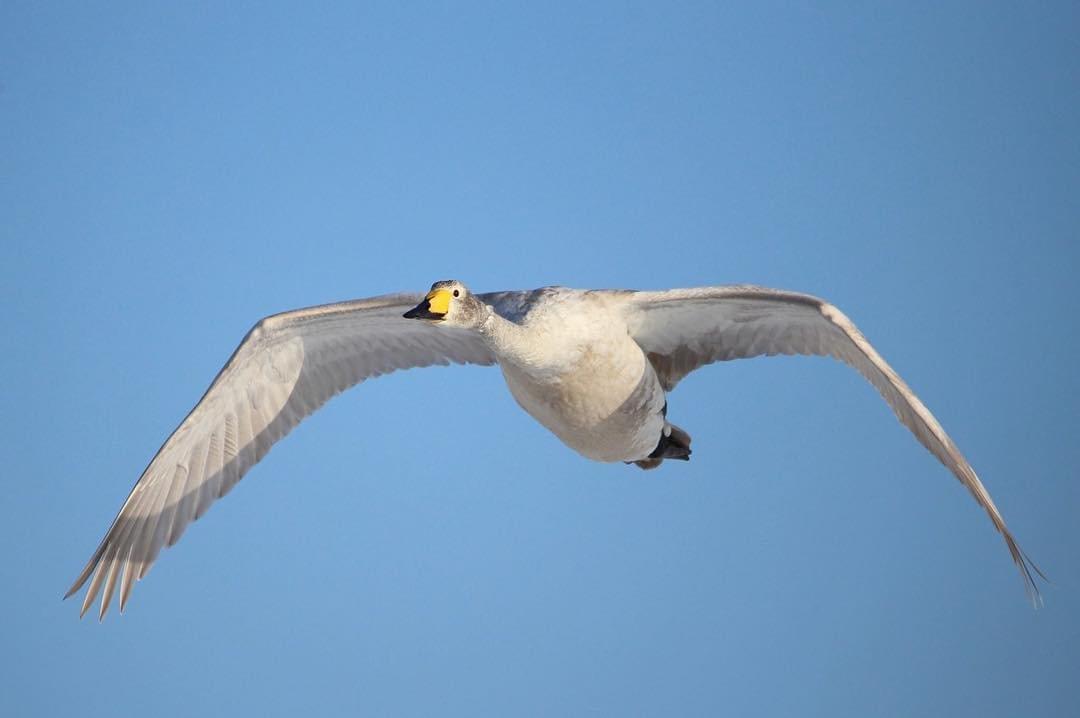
<point>449,303</point>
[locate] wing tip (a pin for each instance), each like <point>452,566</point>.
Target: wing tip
<point>1029,571</point>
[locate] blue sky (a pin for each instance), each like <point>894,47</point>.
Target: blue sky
<point>168,175</point>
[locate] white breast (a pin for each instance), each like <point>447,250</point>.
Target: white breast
<point>591,386</point>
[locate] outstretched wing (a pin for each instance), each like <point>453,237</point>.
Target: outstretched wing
<point>286,367</point>
<point>683,329</point>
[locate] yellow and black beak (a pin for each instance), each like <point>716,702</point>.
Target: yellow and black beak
<point>435,306</point>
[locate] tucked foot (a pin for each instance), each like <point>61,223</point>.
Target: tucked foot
<point>674,444</point>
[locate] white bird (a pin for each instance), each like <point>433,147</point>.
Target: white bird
<point>593,366</point>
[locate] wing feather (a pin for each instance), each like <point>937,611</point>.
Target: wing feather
<point>286,367</point>
<point>683,329</point>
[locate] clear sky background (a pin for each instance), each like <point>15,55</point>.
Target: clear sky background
<point>421,547</point>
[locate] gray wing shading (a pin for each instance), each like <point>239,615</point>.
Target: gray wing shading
<point>515,305</point>
<point>683,329</point>
<point>286,367</point>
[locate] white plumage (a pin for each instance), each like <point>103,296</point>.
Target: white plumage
<point>593,366</point>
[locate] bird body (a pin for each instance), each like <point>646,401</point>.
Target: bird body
<point>573,366</point>
<point>593,366</point>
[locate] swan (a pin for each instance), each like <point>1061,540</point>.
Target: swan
<point>592,366</point>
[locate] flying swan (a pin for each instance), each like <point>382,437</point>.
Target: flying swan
<point>593,366</point>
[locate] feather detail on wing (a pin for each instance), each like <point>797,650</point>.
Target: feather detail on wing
<point>286,367</point>
<point>683,329</point>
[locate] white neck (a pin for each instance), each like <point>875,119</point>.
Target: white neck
<point>506,339</point>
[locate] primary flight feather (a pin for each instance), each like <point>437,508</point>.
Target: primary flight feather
<point>593,366</point>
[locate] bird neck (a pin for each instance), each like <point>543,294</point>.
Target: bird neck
<point>505,338</point>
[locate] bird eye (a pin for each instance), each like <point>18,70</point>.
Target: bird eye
<point>456,292</point>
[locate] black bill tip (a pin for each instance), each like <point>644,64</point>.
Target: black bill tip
<point>422,311</point>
